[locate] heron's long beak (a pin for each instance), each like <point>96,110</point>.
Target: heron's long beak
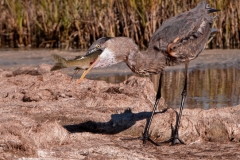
<point>211,10</point>
<point>86,71</point>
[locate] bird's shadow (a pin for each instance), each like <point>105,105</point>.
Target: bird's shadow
<point>118,123</point>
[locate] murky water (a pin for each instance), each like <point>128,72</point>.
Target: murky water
<point>214,77</point>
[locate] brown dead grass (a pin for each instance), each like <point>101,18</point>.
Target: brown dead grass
<point>46,115</point>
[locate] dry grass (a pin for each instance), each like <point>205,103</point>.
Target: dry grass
<point>62,120</point>
<point>74,23</point>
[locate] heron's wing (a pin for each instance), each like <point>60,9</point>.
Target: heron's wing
<point>178,27</point>
<point>184,34</point>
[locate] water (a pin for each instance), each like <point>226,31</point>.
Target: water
<point>214,77</point>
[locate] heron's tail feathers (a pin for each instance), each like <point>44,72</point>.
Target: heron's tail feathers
<point>214,31</point>
<point>60,62</point>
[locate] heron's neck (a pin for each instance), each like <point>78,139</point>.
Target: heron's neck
<point>146,62</point>
<point>125,49</point>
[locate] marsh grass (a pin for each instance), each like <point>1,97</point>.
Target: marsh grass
<point>77,23</point>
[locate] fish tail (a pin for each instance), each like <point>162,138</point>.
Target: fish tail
<point>60,62</point>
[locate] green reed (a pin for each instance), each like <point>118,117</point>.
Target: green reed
<point>77,23</point>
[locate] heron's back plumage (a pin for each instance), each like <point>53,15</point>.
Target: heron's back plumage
<point>184,36</point>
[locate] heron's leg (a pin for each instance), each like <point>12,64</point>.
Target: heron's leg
<point>174,137</point>
<point>158,96</point>
<point>145,136</point>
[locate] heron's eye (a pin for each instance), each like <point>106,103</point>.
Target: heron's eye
<point>98,46</point>
<point>207,6</point>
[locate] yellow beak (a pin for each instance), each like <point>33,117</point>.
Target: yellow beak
<point>86,71</point>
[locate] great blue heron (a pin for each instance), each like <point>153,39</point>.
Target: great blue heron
<point>179,40</point>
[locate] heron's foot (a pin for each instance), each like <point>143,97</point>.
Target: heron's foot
<point>144,138</point>
<point>174,138</point>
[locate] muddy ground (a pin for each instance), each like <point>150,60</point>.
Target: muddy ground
<point>46,115</point>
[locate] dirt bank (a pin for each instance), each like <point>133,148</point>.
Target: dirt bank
<point>45,114</point>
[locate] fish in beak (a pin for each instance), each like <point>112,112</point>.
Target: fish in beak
<point>89,52</point>
<point>86,71</point>
<point>97,46</point>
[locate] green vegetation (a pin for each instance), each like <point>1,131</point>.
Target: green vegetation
<point>77,23</point>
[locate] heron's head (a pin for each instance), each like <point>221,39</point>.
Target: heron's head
<point>210,9</point>
<point>110,51</point>
<point>204,5</point>
<point>98,45</point>
<point>114,50</point>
